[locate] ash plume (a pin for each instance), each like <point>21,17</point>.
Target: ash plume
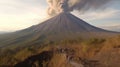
<point>57,6</point>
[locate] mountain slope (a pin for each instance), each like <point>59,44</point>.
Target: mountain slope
<point>61,27</point>
<point>67,23</point>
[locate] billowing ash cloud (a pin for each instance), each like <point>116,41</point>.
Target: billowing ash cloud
<point>57,6</point>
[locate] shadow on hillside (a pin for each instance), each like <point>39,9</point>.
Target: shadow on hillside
<point>5,66</point>
<point>40,58</point>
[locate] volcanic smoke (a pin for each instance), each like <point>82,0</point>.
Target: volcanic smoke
<point>58,6</point>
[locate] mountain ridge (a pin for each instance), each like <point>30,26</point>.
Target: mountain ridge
<point>61,27</point>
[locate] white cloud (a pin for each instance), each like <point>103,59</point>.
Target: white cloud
<point>15,22</point>
<point>105,14</point>
<point>17,14</point>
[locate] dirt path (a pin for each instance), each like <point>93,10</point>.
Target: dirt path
<point>76,64</point>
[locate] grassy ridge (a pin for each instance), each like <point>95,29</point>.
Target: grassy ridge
<point>85,49</point>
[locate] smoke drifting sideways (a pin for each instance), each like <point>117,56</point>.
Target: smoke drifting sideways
<point>58,6</point>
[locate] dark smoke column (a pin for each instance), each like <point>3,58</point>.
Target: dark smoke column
<point>64,6</point>
<point>58,6</point>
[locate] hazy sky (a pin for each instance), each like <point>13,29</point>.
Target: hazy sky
<point>20,14</point>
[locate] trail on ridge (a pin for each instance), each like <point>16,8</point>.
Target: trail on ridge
<point>76,64</point>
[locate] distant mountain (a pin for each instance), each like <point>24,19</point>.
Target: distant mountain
<point>113,28</point>
<point>64,26</point>
<point>2,32</point>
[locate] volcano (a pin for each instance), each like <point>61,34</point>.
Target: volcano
<point>60,27</point>
<point>67,23</point>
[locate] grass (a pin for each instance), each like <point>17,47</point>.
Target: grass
<point>85,49</point>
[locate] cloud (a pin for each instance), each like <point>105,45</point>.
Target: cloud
<point>20,14</point>
<point>58,6</point>
<point>15,22</point>
<point>98,15</point>
<point>112,27</point>
<point>20,6</point>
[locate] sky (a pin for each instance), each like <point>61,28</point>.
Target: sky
<point>20,14</point>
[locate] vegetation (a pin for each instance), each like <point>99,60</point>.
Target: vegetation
<point>83,48</point>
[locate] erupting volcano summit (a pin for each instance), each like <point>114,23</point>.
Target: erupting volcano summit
<point>62,26</point>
